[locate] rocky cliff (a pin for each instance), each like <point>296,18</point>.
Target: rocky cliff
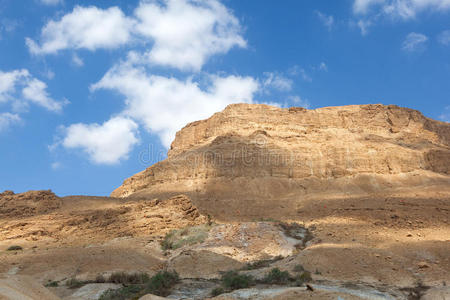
<point>254,157</point>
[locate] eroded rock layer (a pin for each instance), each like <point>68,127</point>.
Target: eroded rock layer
<point>249,155</point>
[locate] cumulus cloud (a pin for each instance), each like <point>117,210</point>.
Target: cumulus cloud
<point>444,38</point>
<point>32,91</point>
<point>107,143</point>
<point>181,43</point>
<point>9,81</point>
<point>414,42</point>
<point>7,119</point>
<point>327,21</point>
<point>165,104</point>
<point>85,27</point>
<point>167,26</point>
<point>276,81</point>
<point>36,91</point>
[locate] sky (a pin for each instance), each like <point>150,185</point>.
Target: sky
<point>92,92</point>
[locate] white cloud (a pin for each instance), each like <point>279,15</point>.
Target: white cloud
<point>327,21</point>
<point>403,9</point>
<point>51,2</point>
<point>55,165</point>
<point>105,144</point>
<point>369,12</point>
<point>7,119</point>
<point>276,81</point>
<point>305,75</point>
<point>8,26</point>
<point>445,116</point>
<point>407,9</point>
<point>49,74</point>
<point>183,33</point>
<point>164,105</point>
<point>9,81</point>
<point>363,6</point>
<point>77,61</point>
<point>414,42</point>
<point>85,27</point>
<point>297,70</point>
<point>32,91</point>
<point>444,38</point>
<point>364,26</point>
<point>298,101</point>
<point>181,42</point>
<point>323,67</point>
<point>36,91</point>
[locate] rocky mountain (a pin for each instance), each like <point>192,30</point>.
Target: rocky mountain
<point>256,160</point>
<point>256,202</point>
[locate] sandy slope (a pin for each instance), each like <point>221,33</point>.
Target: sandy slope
<point>391,240</point>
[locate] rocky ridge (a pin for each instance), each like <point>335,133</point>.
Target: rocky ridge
<point>259,154</point>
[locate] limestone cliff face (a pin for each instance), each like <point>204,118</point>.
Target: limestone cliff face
<point>257,152</point>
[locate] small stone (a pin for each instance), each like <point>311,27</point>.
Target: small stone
<point>423,265</point>
<point>409,234</point>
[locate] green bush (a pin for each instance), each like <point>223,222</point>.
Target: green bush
<point>139,284</point>
<point>276,276</point>
<point>167,242</point>
<point>187,236</point>
<point>124,293</point>
<point>299,269</point>
<point>125,278</point>
<point>100,279</point>
<point>14,248</point>
<point>74,283</point>
<point>303,278</point>
<point>262,263</point>
<point>162,282</point>
<point>217,291</point>
<point>234,281</point>
<point>52,284</point>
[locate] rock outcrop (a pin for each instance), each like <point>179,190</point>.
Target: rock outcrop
<point>252,157</point>
<point>28,204</point>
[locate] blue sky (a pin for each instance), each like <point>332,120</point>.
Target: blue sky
<point>92,92</point>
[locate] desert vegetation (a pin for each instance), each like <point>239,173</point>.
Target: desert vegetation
<point>136,285</point>
<point>184,237</point>
<point>14,248</point>
<point>263,263</point>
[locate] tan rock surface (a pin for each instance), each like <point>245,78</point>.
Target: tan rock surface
<point>253,160</point>
<point>152,297</point>
<point>86,236</point>
<point>23,288</point>
<point>28,204</point>
<point>371,182</point>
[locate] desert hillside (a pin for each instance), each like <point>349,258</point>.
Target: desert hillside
<point>347,202</point>
<point>277,160</point>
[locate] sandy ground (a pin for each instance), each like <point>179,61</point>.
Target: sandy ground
<point>395,240</point>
